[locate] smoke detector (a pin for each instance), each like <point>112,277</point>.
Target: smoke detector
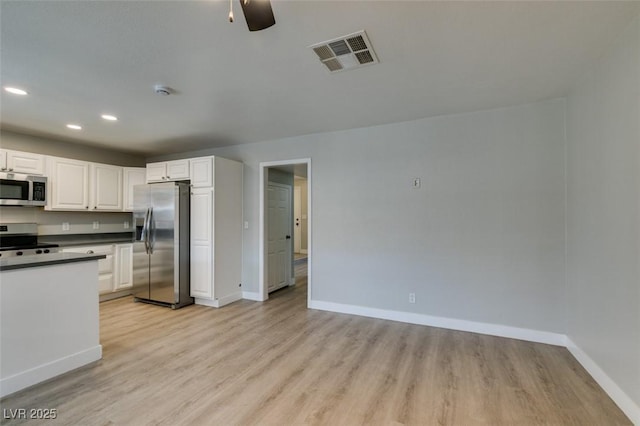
<point>346,52</point>
<point>162,90</point>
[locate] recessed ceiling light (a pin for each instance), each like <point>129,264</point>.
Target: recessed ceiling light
<point>74,126</point>
<point>109,117</point>
<point>15,91</point>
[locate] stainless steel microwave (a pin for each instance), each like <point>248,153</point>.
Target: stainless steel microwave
<point>18,189</point>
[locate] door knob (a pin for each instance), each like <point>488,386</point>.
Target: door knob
<point>288,237</point>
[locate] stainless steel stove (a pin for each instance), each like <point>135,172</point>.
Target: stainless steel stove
<point>21,239</point>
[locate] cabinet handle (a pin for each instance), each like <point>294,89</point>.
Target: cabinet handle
<point>86,207</point>
<point>168,177</point>
<point>11,169</point>
<point>90,252</point>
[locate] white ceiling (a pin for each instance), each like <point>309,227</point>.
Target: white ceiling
<point>80,59</point>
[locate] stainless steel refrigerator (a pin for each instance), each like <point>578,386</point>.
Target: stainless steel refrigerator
<point>161,249</point>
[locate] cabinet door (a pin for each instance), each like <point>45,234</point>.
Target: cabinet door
<point>132,176</point>
<point>25,162</point>
<point>156,172</point>
<point>69,184</point>
<point>124,267</point>
<point>178,170</point>
<point>201,172</point>
<point>106,187</point>
<point>202,243</point>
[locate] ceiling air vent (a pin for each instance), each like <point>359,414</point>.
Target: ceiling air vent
<point>345,53</point>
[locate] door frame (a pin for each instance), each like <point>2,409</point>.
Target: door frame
<point>297,208</point>
<point>262,237</point>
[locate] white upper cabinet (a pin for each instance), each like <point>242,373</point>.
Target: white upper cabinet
<point>68,184</point>
<point>80,185</point>
<point>156,172</point>
<point>106,187</point>
<point>168,171</point>
<point>201,172</point>
<point>22,162</point>
<point>132,176</point>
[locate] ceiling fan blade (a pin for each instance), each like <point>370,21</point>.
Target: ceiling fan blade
<point>258,14</point>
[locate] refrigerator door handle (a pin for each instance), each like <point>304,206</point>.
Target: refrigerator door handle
<point>151,235</point>
<point>144,236</point>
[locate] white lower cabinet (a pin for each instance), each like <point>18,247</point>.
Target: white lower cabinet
<point>123,267</point>
<point>201,242</point>
<point>115,272</point>
<point>216,235</point>
<point>105,266</point>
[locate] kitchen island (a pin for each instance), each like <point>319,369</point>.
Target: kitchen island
<point>49,318</point>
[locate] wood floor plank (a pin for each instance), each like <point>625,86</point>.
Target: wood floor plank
<point>278,363</point>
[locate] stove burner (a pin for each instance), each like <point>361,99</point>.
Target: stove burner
<point>21,239</point>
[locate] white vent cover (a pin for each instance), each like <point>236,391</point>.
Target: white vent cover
<point>345,53</point>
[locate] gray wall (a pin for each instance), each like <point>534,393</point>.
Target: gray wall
<point>27,143</point>
<point>603,213</point>
<point>482,240</point>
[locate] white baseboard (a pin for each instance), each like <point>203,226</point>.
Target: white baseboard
<point>441,322</point>
<point>622,400</point>
<point>220,302</point>
<point>250,295</point>
<point>24,379</point>
<point>115,295</point>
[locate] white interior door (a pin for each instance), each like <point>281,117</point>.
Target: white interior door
<point>278,235</point>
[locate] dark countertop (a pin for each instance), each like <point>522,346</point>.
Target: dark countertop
<point>87,239</point>
<point>23,262</point>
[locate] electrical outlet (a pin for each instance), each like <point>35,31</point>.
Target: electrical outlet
<point>412,298</point>
<point>65,226</point>
<point>416,182</point>
<point>126,224</point>
<point>96,225</point>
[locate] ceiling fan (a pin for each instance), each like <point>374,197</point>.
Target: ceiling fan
<point>258,14</point>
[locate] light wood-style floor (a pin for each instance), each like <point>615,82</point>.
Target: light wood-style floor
<point>277,363</point>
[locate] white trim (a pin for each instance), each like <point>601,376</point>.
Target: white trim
<point>441,322</point>
<point>262,272</point>
<point>252,295</point>
<point>47,371</point>
<point>219,303</point>
<point>622,400</point>
<point>115,295</point>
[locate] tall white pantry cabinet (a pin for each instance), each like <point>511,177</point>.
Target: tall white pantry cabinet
<point>216,230</point>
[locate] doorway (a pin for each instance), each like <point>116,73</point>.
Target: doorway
<point>277,264</point>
